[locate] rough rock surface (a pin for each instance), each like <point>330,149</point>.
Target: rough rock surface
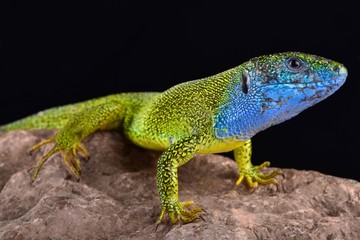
<point>116,197</point>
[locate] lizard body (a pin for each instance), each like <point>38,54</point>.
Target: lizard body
<point>216,114</point>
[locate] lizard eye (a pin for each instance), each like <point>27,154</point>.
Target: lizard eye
<point>294,64</point>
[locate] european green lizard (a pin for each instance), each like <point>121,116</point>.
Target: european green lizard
<point>215,114</point>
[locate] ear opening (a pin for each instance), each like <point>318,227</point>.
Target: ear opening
<point>245,83</point>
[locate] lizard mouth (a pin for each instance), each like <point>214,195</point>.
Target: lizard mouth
<point>336,80</point>
<point>319,89</point>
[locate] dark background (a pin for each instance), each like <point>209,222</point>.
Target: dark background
<point>54,53</point>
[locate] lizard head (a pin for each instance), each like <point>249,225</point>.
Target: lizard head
<point>270,89</point>
<point>287,83</point>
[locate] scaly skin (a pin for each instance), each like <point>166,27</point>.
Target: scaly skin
<point>214,114</point>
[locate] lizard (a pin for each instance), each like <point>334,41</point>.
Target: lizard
<point>215,114</point>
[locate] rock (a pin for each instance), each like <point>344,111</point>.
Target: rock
<point>116,197</point>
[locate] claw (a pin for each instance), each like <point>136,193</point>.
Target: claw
<point>40,144</point>
<point>248,171</point>
<point>69,155</point>
<point>161,216</point>
<point>83,151</point>
<point>240,179</point>
<point>202,218</point>
<point>42,161</point>
<point>157,225</point>
<point>253,176</point>
<point>179,211</point>
<point>263,165</point>
<point>75,161</point>
<point>250,182</point>
<point>69,163</point>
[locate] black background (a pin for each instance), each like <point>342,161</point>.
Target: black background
<point>54,53</point>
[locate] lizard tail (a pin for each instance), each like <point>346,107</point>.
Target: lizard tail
<point>58,117</point>
<point>53,118</point>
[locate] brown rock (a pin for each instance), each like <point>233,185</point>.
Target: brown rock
<point>116,197</point>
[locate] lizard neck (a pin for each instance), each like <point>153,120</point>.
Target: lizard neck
<point>238,118</point>
<point>238,113</point>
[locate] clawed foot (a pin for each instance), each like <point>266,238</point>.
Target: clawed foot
<point>68,152</point>
<point>253,176</point>
<point>177,210</point>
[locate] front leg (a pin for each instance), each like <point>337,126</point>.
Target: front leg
<point>176,155</point>
<point>249,172</point>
